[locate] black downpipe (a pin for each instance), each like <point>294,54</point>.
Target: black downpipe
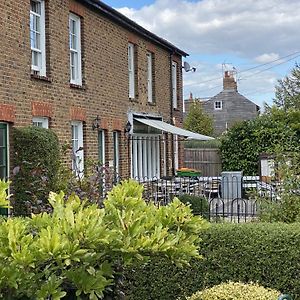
<point>171,116</point>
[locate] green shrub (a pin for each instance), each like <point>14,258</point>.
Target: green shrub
<point>242,145</point>
<point>81,248</point>
<point>287,208</point>
<point>256,252</point>
<point>199,205</point>
<point>36,164</point>
<point>236,291</point>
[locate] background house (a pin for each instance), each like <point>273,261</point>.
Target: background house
<point>92,75</point>
<point>227,107</point>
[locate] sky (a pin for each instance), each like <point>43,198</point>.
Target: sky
<point>259,38</point>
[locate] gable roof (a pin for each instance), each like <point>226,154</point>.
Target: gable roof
<point>231,95</point>
<point>119,18</point>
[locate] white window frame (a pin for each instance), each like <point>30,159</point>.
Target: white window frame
<point>77,156</point>
<point>174,84</point>
<point>176,152</point>
<point>215,105</point>
<point>150,76</point>
<point>42,122</point>
<point>131,71</point>
<point>40,68</point>
<point>116,153</point>
<point>101,139</point>
<point>76,50</point>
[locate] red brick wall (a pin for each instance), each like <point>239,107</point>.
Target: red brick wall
<point>105,75</point>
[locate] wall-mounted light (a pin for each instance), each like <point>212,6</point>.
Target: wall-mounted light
<point>96,123</point>
<point>127,128</point>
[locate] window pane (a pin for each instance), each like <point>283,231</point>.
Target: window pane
<point>2,156</point>
<point>35,58</point>
<point>2,136</point>
<point>73,42</point>
<point>38,41</point>
<point>35,7</point>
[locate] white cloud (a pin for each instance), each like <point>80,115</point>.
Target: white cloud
<point>247,28</point>
<point>257,31</point>
<point>267,57</point>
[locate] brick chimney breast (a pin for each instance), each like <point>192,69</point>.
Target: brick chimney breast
<point>229,82</point>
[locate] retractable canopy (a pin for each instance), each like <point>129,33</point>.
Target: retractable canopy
<point>173,129</point>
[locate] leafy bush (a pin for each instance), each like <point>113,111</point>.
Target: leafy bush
<point>80,247</point>
<point>199,205</point>
<point>236,291</point>
<point>36,162</point>
<point>4,202</point>
<point>287,207</point>
<point>243,143</point>
<point>268,254</point>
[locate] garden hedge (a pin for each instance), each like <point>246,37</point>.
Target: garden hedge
<point>267,253</point>
<point>36,164</point>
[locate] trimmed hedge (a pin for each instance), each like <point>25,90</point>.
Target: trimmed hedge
<point>241,291</point>
<point>259,252</point>
<point>199,205</point>
<point>36,166</point>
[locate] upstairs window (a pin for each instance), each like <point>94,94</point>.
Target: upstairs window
<point>218,105</point>
<point>75,49</point>
<point>150,76</point>
<point>131,71</point>
<point>37,37</point>
<point>174,84</point>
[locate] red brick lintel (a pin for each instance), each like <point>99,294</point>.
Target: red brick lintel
<point>7,113</point>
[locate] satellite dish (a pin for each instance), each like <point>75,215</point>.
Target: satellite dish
<point>187,67</point>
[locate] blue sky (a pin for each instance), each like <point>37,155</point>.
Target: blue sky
<point>221,34</point>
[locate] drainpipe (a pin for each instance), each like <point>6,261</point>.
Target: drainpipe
<point>171,115</point>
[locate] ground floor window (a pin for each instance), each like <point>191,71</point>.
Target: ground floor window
<point>3,156</point>
<point>77,148</point>
<point>116,143</point>
<point>145,157</point>
<point>101,146</point>
<point>40,122</point>
<point>176,150</point>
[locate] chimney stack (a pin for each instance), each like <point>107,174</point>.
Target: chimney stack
<point>229,82</point>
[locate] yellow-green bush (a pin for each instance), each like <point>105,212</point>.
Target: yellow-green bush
<point>236,291</point>
<point>79,250</point>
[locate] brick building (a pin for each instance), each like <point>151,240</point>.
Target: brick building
<point>227,107</point>
<point>94,77</point>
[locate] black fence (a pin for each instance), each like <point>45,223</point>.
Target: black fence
<point>221,199</point>
<point>232,198</point>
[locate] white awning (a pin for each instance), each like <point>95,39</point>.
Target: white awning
<point>173,129</point>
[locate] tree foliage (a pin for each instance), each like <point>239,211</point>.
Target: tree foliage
<point>242,145</point>
<point>197,120</point>
<point>78,248</point>
<point>287,94</point>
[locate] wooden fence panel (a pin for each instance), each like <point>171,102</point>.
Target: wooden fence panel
<point>208,161</point>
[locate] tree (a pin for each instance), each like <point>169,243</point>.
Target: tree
<point>197,120</point>
<point>244,142</point>
<point>287,92</point>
